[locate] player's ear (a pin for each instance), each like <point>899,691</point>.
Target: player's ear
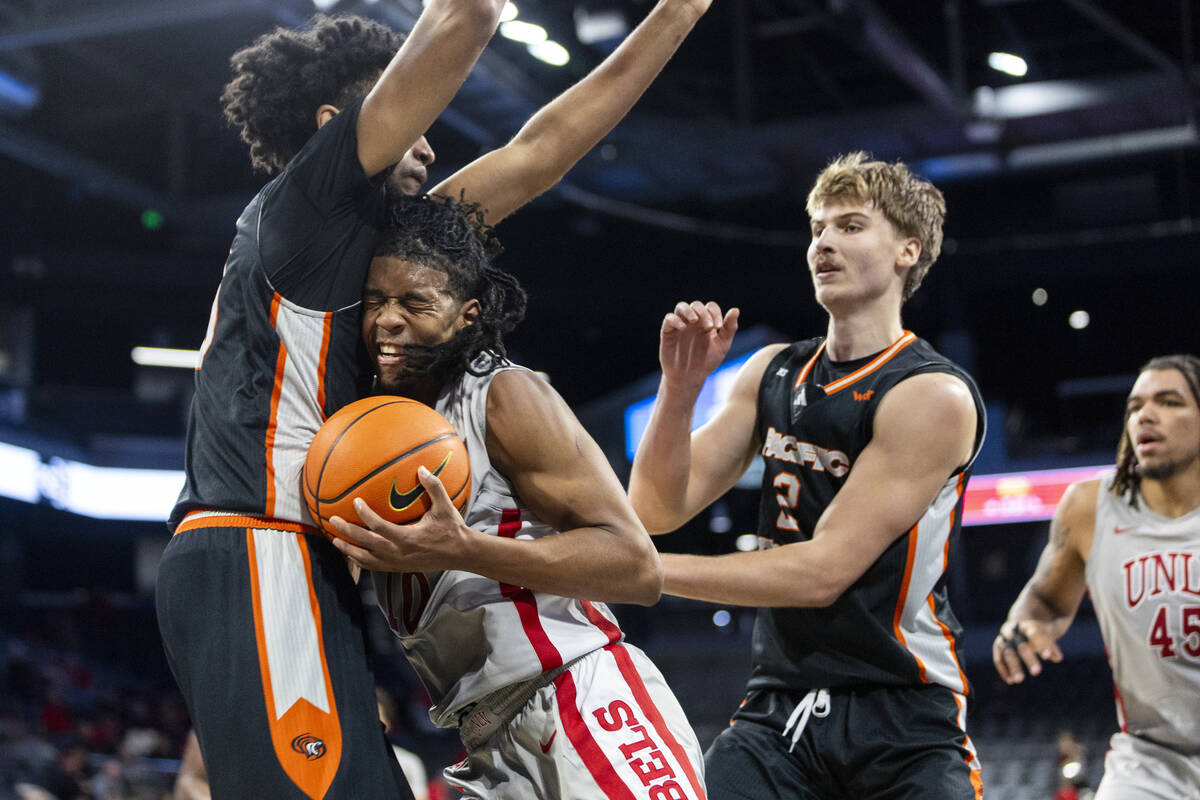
<point>325,112</point>
<point>910,252</point>
<point>467,314</point>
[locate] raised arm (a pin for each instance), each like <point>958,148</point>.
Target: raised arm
<point>422,78</point>
<point>561,475</point>
<point>560,134</point>
<point>1045,608</point>
<point>895,478</point>
<point>676,473</point>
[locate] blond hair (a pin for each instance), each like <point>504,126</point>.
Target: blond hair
<point>913,205</point>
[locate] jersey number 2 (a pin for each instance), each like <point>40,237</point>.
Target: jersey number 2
<point>788,494</point>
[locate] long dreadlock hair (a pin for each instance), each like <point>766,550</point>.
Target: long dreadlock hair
<point>281,80</point>
<point>451,236</point>
<point>1128,479</point>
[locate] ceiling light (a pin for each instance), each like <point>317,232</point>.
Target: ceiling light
<point>324,5</point>
<point>550,51</point>
<point>1079,319</point>
<point>1040,296</point>
<point>520,31</point>
<point>165,357</point>
<point>1008,64</point>
<point>508,12</point>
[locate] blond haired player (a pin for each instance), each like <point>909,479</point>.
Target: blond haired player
<point>1131,539</point>
<point>867,437</point>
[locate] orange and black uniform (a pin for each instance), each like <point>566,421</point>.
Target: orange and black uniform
<point>261,622</point>
<point>865,698</point>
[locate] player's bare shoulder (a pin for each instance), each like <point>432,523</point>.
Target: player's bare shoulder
<point>1075,519</point>
<point>937,408</point>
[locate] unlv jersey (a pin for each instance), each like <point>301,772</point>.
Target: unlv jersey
<point>894,626</point>
<point>1143,575</point>
<point>466,635</point>
<point>281,352</point>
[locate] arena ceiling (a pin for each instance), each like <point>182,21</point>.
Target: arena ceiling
<point>108,109</point>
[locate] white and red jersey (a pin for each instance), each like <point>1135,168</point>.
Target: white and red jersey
<point>467,635</point>
<point>1143,574</point>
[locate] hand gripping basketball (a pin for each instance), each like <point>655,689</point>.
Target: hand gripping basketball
<point>372,449</point>
<point>427,545</point>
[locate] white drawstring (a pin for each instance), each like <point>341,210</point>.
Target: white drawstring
<point>816,702</point>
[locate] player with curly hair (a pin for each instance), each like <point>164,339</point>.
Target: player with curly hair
<point>257,612</point>
<point>1131,540</point>
<point>506,626</point>
<point>259,616</point>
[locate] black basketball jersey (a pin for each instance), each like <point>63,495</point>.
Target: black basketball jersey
<point>894,625</point>
<point>281,351</point>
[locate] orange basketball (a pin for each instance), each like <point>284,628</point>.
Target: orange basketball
<point>371,449</point>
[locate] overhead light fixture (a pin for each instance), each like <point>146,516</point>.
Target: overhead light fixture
<point>165,357</point>
<point>525,32</point>
<point>550,52</point>
<point>324,5</point>
<point>508,12</point>
<point>1008,63</point>
<point>601,25</point>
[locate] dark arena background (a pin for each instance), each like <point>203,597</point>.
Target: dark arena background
<point>1070,258</point>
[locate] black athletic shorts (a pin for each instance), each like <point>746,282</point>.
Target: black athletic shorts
<point>263,629</point>
<point>860,743</point>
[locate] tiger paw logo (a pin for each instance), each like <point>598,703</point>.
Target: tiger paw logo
<point>308,746</point>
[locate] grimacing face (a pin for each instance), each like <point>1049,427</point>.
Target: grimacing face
<point>407,303</point>
<point>1163,423</point>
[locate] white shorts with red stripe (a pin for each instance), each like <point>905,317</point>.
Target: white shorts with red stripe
<point>608,728</point>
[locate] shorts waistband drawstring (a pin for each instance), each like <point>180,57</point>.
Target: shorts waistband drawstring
<point>815,703</point>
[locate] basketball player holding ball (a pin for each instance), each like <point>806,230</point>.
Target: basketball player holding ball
<point>499,610</point>
<point>867,438</point>
<point>259,616</point>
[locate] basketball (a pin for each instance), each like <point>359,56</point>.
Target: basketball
<point>371,449</point>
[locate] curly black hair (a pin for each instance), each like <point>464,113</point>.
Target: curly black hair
<point>451,236</point>
<point>1128,480</point>
<point>279,81</point>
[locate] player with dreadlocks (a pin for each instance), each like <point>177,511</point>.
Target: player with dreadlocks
<point>1131,539</point>
<point>499,610</point>
<point>259,618</point>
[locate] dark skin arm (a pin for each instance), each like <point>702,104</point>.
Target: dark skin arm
<point>1045,608</point>
<point>602,552</point>
<point>419,82</point>
<point>561,133</point>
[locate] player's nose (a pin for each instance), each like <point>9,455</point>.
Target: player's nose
<point>423,152</point>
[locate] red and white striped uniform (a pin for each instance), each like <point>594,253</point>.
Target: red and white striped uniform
<point>610,714</point>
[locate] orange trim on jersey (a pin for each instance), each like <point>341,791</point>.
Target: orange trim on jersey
<point>946,632</point>
<point>210,519</point>
<point>841,383</point>
<point>272,419</point>
<point>908,571</point>
<point>303,721</point>
<point>326,331</point>
<point>971,760</point>
<point>803,376</point>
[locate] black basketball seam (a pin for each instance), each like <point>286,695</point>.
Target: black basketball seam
<point>316,490</point>
<point>386,465</point>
